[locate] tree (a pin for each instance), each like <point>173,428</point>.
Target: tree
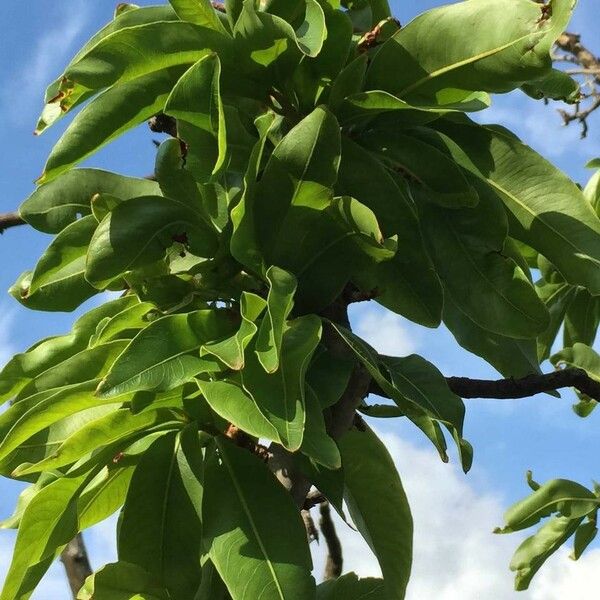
<point>317,155</point>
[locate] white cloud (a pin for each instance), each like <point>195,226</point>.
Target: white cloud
<point>387,332</point>
<point>25,92</point>
<point>456,557</point>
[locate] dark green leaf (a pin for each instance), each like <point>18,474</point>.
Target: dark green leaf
<point>350,587</point>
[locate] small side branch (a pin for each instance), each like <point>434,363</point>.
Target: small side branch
<point>335,561</point>
<point>11,219</point>
<point>76,562</point>
<point>526,386</point>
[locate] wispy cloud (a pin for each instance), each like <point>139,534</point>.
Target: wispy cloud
<point>22,97</point>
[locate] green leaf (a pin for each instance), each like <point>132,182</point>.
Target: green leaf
<point>535,550</point>
<point>581,319</point>
<point>138,232</point>
<point>107,430</point>
<point>510,356</point>
<point>584,536</point>
<point>231,351</point>
<point>512,47</point>
<point>24,367</point>
<point>366,14</point>
<point>57,282</point>
<point>350,587</point>
<point>253,557</point>
<point>161,523</point>
<point>556,85</point>
<point>579,356</point>
<point>195,102</point>
<point>567,498</point>
<point>123,325</point>
<point>348,82</point>
<point>136,51</point>
<point>122,581</point>
<point>312,32</point>
<point>467,250</point>
<point>57,204</point>
<point>280,302</point>
<point>548,211</point>
<point>166,353</point>
<point>199,12</point>
<point>406,284</point>
<point>59,103</point>
<point>378,506</point>
<point>108,116</point>
<point>49,522</point>
<point>591,191</point>
<point>557,297</point>
<point>441,180</point>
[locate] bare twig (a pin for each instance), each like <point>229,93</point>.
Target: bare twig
<point>11,219</point>
<point>335,560</point>
<point>77,565</point>
<point>312,533</point>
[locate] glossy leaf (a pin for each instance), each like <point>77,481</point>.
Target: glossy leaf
<point>57,204</point>
<point>161,523</point>
<point>378,506</point>
<point>199,12</point>
<point>57,282</point>
<point>108,116</point>
<point>196,103</point>
<point>138,232</point>
<point>251,555</point>
<point>123,325</point>
<point>166,353</point>
<point>511,48</point>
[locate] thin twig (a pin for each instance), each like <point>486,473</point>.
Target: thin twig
<point>76,562</point>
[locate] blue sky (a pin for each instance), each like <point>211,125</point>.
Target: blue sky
<point>456,556</point>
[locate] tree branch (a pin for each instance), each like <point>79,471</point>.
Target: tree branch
<point>335,560</point>
<point>77,565</point>
<point>11,219</point>
<point>527,386</point>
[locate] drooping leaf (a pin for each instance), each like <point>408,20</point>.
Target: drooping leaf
<point>57,204</point>
<point>167,353</point>
<point>161,523</point>
<point>350,587</point>
<point>251,555</point>
<point>579,356</point>
<point>584,536</point>
<point>57,282</point>
<point>581,319</point>
<point>547,210</point>
<point>137,233</point>
<point>555,85</point>
<point>557,297</point>
<point>378,506</point>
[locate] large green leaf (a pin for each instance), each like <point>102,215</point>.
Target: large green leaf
<point>57,282</point>
<point>581,357</point>
<point>109,115</point>
<point>467,249</point>
<point>548,211</point>
<point>49,522</point>
<point>124,325</point>
<point>122,581</point>
<point>161,523</point>
<point>378,506</point>
<point>137,233</point>
<point>196,104</point>
<point>54,205</point>
<point>557,297</point>
<point>512,46</point>
<point>253,557</point>
<point>22,368</point>
<point>279,305</point>
<point>59,103</point>
<point>167,353</point>
<point>581,319</point>
<point>199,12</point>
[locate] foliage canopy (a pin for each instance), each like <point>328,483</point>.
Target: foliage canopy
<point>320,154</point>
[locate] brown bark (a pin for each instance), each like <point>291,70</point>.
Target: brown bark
<point>76,562</point>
